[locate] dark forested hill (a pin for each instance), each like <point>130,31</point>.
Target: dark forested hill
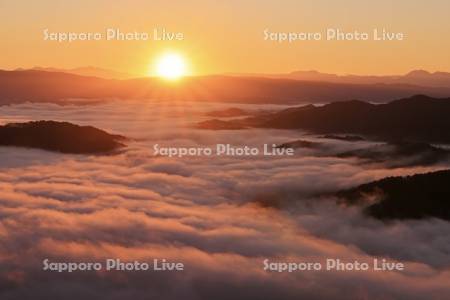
<point>411,197</point>
<point>58,136</point>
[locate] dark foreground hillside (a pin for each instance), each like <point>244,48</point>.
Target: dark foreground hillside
<point>412,197</point>
<point>59,136</point>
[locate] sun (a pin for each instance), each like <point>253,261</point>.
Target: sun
<point>171,66</point>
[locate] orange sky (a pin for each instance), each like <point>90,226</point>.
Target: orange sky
<point>227,36</point>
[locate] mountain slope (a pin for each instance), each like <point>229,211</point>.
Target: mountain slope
<point>412,197</point>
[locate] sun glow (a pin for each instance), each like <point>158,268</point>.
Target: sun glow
<point>171,66</point>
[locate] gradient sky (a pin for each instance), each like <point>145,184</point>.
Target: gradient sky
<point>227,36</point>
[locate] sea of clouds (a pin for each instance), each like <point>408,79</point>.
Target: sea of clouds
<point>206,212</point>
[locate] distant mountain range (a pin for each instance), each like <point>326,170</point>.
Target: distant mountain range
<point>60,137</point>
<point>412,197</point>
<point>87,71</point>
<point>416,77</point>
<point>34,85</point>
<point>419,118</point>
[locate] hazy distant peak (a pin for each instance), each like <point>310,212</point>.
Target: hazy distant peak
<point>418,73</point>
<point>88,71</point>
<point>415,77</point>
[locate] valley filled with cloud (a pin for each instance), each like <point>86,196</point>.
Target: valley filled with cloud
<point>221,216</point>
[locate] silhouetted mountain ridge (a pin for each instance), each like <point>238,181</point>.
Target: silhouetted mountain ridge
<point>89,71</point>
<point>59,136</point>
<point>38,86</point>
<point>419,118</point>
<point>415,77</point>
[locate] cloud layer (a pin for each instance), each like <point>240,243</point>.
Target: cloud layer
<point>202,211</point>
